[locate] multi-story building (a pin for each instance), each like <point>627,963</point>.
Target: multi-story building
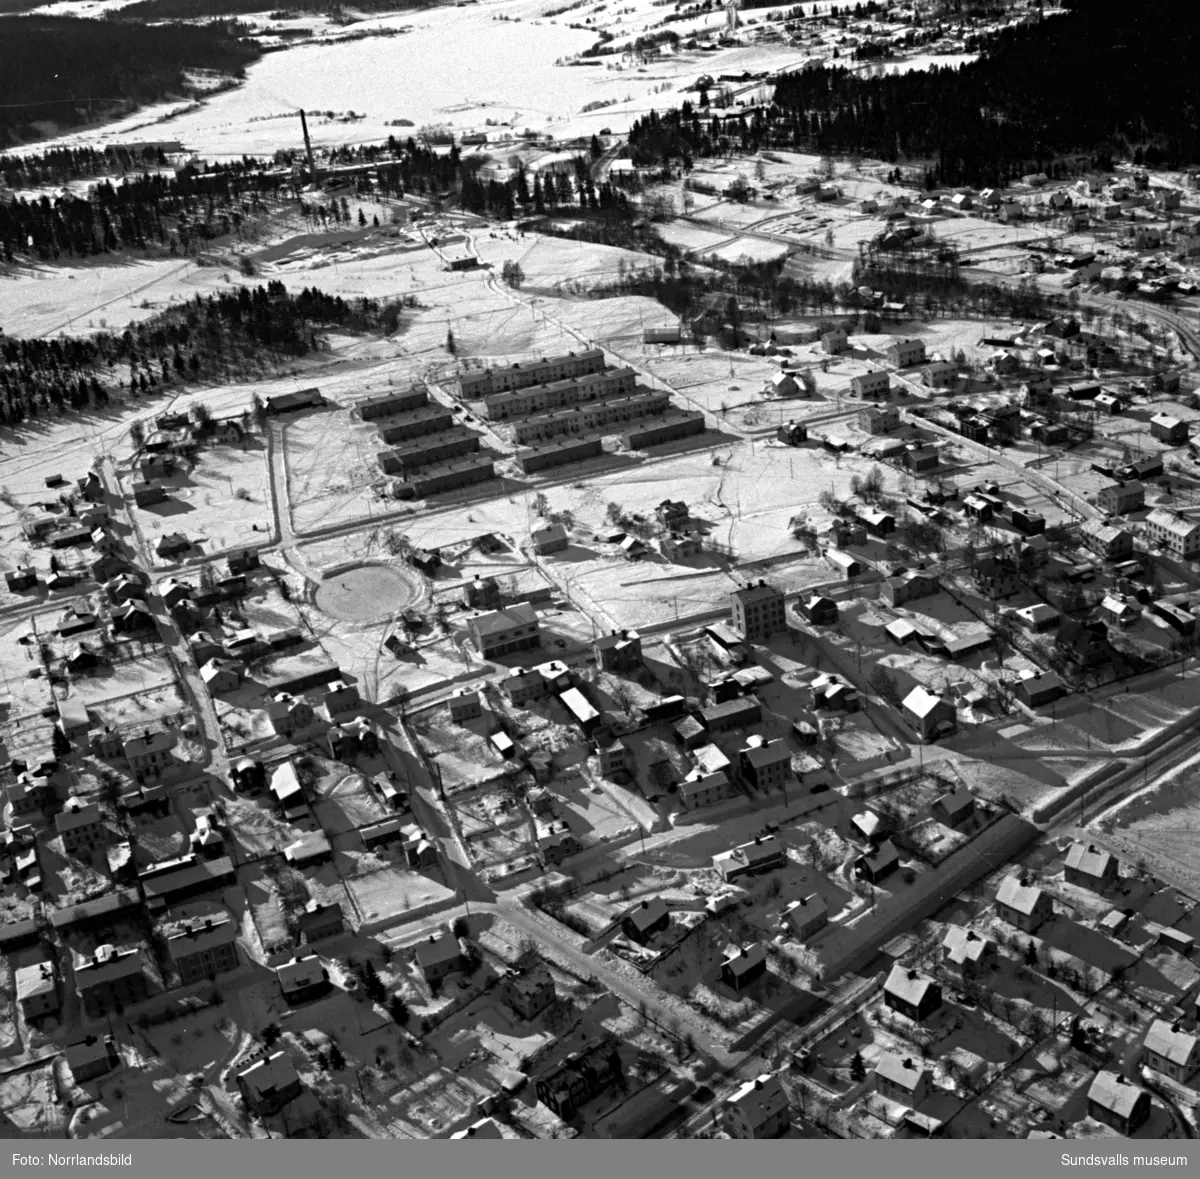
<point>1171,430</point>
<point>599,415</point>
<point>387,404</point>
<point>878,419</point>
<point>902,1079</point>
<point>767,766</point>
<point>37,989</point>
<point>905,353</point>
<point>1119,499</point>
<point>415,423</point>
<point>533,399</point>
<point>449,475</point>
<point>203,948</point>
<point>501,632</point>
<point>579,1077</point>
<point>528,991</point>
<point>619,651</point>
<point>757,612</point>
<point>699,790</point>
<point>81,827</point>
<point>997,577</point>
<point>417,453</point>
<point>1178,534</point>
<point>873,386</point>
<point>539,372</point>
<point>1107,541</point>
<point>558,453</point>
<point>110,979</point>
<point>758,1109</point>
<point>151,753</point>
<point>672,426</point>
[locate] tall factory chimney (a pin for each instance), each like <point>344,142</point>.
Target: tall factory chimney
<point>312,167</point>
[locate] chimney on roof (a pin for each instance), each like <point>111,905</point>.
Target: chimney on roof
<point>908,1062</point>
<point>912,976</point>
<point>758,1082</point>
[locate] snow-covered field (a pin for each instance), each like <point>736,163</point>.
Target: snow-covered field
<point>503,68</point>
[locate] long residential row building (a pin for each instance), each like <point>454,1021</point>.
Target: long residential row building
<point>415,453</point>
<point>540,372</point>
<point>519,403</point>
<point>596,416</point>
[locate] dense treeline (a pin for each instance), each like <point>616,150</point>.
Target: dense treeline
<point>61,69</point>
<point>196,9</point>
<point>227,336</point>
<point>179,211</point>
<point>1100,79</point>
<point>60,165</point>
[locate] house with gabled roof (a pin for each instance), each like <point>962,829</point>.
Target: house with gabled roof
<point>930,715</point>
<point>1171,1050</point>
<point>967,952</point>
<point>805,916</point>
<point>757,1109</point>
<point>269,1083</point>
<point>878,863</point>
<point>741,965</point>
<point>1089,866</point>
<point>911,994</point>
<point>903,1079</point>
<point>1116,1101</point>
<point>645,919</point>
<point>1023,905</point>
<point>301,979</point>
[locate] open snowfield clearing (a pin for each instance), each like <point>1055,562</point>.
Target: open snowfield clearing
<point>223,503</point>
<point>501,69</point>
<point>553,263</point>
<point>74,298</point>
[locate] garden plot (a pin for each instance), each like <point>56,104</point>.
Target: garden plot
<point>141,693</point>
<point>592,810</point>
<point>25,682</point>
<point>384,891</point>
<point>342,801</point>
<point>462,751</point>
<point>29,1103</point>
<point>223,503</point>
<point>255,827</point>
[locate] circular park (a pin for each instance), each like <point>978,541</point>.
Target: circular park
<point>364,592</point>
